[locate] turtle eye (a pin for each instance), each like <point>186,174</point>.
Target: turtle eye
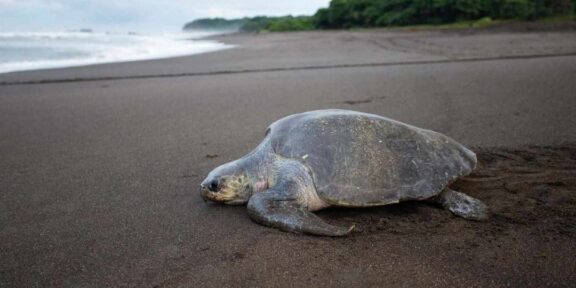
<point>213,185</point>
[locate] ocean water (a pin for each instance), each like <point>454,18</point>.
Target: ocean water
<point>30,51</point>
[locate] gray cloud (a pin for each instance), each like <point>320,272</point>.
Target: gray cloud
<point>139,15</point>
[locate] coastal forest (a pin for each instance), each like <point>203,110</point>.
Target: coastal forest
<point>345,14</point>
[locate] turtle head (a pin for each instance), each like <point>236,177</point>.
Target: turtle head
<point>227,184</point>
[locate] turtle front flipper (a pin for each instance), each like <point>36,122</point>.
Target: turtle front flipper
<point>284,206</point>
<point>289,216</point>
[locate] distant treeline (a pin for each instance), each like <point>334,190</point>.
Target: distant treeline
<point>254,24</point>
<point>215,24</point>
<point>383,13</point>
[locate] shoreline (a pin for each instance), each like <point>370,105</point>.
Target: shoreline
<point>202,45</point>
<point>231,40</point>
<point>384,47</point>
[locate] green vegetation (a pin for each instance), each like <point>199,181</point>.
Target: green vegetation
<point>382,13</point>
<point>344,14</point>
<point>254,24</point>
<point>278,24</point>
<point>214,24</point>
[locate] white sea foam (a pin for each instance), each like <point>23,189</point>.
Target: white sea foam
<point>29,51</point>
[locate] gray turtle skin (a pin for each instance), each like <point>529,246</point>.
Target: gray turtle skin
<point>340,158</point>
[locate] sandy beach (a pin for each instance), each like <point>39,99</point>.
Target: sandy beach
<point>100,164</point>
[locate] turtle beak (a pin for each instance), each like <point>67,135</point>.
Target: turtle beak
<point>204,193</point>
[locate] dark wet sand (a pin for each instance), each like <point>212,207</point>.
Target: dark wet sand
<point>99,165</point>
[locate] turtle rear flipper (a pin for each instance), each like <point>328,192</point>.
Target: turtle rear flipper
<point>462,205</point>
<point>284,206</point>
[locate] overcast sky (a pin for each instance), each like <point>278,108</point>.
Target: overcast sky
<point>136,15</point>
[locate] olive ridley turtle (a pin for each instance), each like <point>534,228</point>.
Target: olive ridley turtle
<point>341,158</point>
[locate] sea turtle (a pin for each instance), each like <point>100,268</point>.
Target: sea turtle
<point>318,159</point>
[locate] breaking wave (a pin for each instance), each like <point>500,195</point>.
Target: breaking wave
<point>30,51</point>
